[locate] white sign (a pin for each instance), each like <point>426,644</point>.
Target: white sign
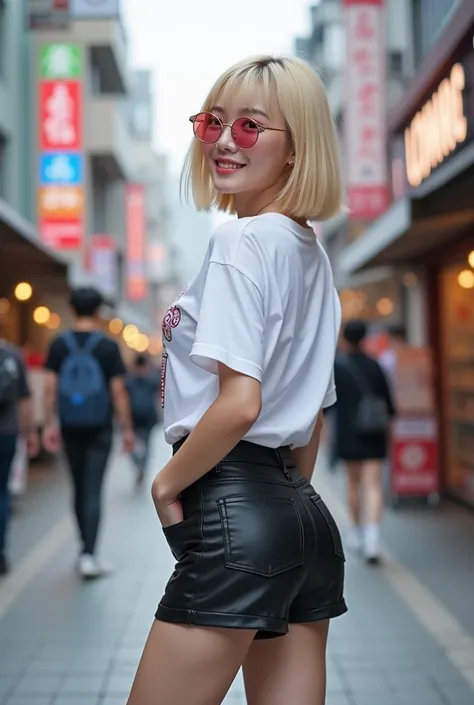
<point>364,117</point>
<point>94,9</point>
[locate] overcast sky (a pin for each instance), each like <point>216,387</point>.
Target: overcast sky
<point>188,43</point>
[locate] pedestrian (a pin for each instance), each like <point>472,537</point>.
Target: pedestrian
<point>16,425</point>
<point>143,387</point>
<point>247,369</point>
<point>84,386</point>
<point>363,412</point>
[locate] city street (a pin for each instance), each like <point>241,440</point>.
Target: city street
<point>407,639</point>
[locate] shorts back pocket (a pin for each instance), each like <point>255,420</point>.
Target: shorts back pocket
<point>331,525</point>
<point>262,535</point>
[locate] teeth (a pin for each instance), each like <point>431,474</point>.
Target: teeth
<point>229,165</point>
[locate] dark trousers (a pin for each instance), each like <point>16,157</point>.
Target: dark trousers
<point>7,453</point>
<point>87,455</point>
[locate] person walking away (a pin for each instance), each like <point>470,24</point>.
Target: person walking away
<point>16,421</point>
<point>247,368</point>
<point>364,409</point>
<point>143,386</point>
<point>388,358</point>
<point>84,386</point>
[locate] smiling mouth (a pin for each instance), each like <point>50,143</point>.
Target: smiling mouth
<point>228,165</point>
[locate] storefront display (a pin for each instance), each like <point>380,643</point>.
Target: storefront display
<point>457,348</point>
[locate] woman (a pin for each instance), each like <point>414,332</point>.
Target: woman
<point>247,369</point>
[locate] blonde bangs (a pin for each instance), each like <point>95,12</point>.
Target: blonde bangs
<point>313,190</point>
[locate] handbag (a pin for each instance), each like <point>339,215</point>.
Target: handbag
<point>372,416</point>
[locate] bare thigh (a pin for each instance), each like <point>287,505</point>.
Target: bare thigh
<point>288,669</point>
<point>188,665</point>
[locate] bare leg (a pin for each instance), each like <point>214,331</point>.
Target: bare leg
<point>188,665</point>
<point>373,500</point>
<point>290,669</point>
<point>372,487</point>
<point>353,491</point>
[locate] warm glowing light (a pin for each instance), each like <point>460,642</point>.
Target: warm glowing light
<point>23,291</point>
<point>4,306</point>
<point>141,343</point>
<point>470,259</point>
<point>54,321</point>
<point>466,279</point>
<point>385,306</point>
<point>115,326</point>
<point>410,279</point>
<point>130,333</point>
<point>41,315</point>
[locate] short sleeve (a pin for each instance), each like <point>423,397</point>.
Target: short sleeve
<point>55,355</point>
<point>115,366</point>
<point>330,397</point>
<point>23,386</point>
<point>231,323</point>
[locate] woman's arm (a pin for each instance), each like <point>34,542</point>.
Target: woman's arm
<point>224,424</point>
<point>305,457</point>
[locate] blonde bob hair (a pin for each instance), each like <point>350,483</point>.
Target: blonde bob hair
<point>313,188</point>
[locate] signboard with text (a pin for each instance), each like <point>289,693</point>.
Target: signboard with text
<point>414,459</point>
<point>102,261</point>
<point>60,142</point>
<point>136,268</point>
<point>364,118</point>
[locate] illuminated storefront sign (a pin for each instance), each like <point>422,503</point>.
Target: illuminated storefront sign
<point>437,129</point>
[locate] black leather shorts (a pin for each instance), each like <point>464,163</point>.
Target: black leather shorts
<point>258,548</point>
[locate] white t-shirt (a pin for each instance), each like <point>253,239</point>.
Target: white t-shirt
<point>264,304</point>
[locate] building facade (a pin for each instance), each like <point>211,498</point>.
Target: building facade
<point>425,239</point>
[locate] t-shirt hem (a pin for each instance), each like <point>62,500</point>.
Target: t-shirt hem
<point>330,398</point>
<point>204,355</point>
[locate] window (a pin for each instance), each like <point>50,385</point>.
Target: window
<point>429,19</point>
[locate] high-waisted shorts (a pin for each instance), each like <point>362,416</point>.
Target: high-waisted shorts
<point>258,548</point>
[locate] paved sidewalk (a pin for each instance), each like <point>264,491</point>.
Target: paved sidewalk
<point>62,642</point>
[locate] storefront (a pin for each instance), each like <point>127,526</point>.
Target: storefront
<point>429,229</point>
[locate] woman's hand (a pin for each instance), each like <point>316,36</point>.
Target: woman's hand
<point>169,509</point>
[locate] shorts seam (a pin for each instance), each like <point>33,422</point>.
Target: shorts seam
<point>199,558</point>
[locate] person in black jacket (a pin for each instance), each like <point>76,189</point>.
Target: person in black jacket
<point>355,373</point>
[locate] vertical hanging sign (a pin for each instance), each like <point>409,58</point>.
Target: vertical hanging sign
<point>136,270</point>
<point>60,194</point>
<point>364,117</point>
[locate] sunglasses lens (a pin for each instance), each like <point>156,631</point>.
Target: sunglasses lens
<point>245,132</point>
<point>207,128</point>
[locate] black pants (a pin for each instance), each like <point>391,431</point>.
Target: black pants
<point>7,454</point>
<point>87,454</point>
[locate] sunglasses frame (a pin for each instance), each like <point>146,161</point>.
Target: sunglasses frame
<point>260,128</point>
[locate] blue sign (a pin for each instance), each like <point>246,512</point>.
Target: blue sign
<point>61,169</point>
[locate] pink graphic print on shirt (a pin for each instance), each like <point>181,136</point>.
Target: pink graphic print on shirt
<point>171,320</point>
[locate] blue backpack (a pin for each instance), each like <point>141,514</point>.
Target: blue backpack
<point>84,396</point>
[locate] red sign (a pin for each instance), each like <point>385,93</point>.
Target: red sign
<point>60,115</point>
<point>136,287</point>
<point>415,457</point>
<point>364,118</point>
<point>63,234</point>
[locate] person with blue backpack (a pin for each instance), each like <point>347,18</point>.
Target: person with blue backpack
<point>143,386</point>
<point>84,390</point>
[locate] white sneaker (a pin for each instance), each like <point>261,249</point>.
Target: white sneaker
<point>372,544</point>
<point>353,540</point>
<point>90,568</point>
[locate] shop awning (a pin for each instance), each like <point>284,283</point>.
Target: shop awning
<point>21,248</point>
<point>409,228</point>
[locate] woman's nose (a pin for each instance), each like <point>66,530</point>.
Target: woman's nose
<point>226,140</point>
